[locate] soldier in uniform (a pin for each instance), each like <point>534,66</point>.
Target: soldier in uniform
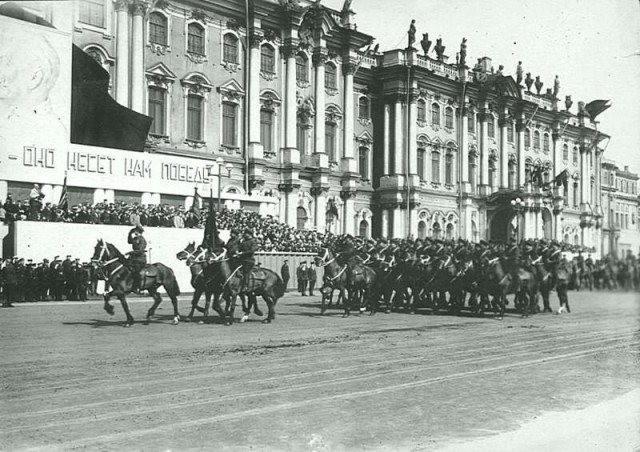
<point>10,283</point>
<point>138,255</point>
<point>247,250</point>
<point>67,271</point>
<point>21,276</point>
<point>57,279</point>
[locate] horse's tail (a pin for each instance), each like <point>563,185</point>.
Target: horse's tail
<point>171,284</point>
<point>278,287</point>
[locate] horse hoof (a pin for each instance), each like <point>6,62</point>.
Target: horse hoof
<point>257,312</point>
<point>244,318</point>
<point>127,324</point>
<point>227,323</point>
<point>265,321</point>
<point>109,310</point>
<point>175,321</point>
<point>499,317</point>
<point>201,322</point>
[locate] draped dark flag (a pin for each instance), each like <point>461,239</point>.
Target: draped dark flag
<point>64,197</point>
<point>210,240</point>
<point>195,207</point>
<point>332,208</point>
<point>595,107</point>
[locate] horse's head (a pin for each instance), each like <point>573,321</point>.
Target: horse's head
<point>324,256</point>
<point>101,251</point>
<point>187,252</point>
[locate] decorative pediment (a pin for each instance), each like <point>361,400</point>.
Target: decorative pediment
<point>270,99</point>
<point>160,75</point>
<point>423,140</point>
<point>333,113</point>
<point>365,138</point>
<point>231,91</point>
<point>196,83</point>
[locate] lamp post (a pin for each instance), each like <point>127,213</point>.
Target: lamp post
<point>228,167</point>
<point>518,206</point>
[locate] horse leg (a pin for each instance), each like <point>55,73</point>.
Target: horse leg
<point>271,306</point>
<point>216,305</point>
<point>545,299</point>
<point>231,306</point>
<point>346,302</point>
<point>108,306</point>
<point>125,307</point>
<point>194,303</point>
<point>156,302</point>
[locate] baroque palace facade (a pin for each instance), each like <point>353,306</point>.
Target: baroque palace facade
<point>297,117</point>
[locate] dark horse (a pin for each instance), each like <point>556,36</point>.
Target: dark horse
<point>113,266</point>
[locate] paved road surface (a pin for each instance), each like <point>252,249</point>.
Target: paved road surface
<point>74,379</point>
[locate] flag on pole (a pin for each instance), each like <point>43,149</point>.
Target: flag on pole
<point>64,196</point>
<point>595,107</point>
<point>210,240</point>
<point>195,207</point>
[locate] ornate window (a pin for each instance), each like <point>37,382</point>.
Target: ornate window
<point>301,135</point>
<point>471,124</point>
<point>363,161</point>
<point>545,142</point>
<point>330,136</point>
<point>448,118</point>
<point>266,130</point>
<point>509,127</point>
<point>492,173</point>
<point>512,174</point>
<point>422,111</point>
<point>229,124</point>
<point>230,49</point>
<point>195,117</point>
<point>435,114</point>
<point>330,77</point>
<point>448,168</point>
<point>302,71</point>
<point>158,26</point>
<point>195,42</point>
<point>491,127</point>
<point>473,166</point>
<point>576,157</point>
<point>157,110</point>
<point>92,12</point>
<point>435,166</point>
<point>363,108</point>
<point>536,139</point>
<point>527,138</point>
<point>421,154</point>
<point>267,59</point>
<point>565,152</point>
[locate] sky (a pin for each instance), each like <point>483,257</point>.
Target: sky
<point>592,45</point>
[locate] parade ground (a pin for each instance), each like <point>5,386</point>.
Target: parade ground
<point>74,379</point>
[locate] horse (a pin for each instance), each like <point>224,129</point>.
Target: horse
<point>112,264</point>
<point>335,278</point>
<point>262,281</point>
<point>545,281</point>
<point>203,280</point>
<point>563,276</point>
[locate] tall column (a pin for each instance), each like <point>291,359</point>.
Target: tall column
<point>292,155</point>
<point>585,183</point>
<point>255,147</point>
<point>385,223</point>
<point>320,210</point>
<point>319,60</point>
<point>597,169</point>
<point>503,123</point>
<point>557,154</point>
<point>463,130</point>
<point>398,223</point>
<point>137,57</point>
<point>398,147</point>
<point>349,163</point>
<point>386,141</point>
<point>413,143</point>
<point>520,126</point>
<point>484,151</point>
<point>349,211</point>
<point>122,52</point>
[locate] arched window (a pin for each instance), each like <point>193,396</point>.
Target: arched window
<point>449,231</point>
<point>195,42</point>
<point>422,110</point>
<point>266,130</point>
<point>421,154</point>
<point>302,74</point>
<point>491,127</point>
<point>545,142</point>
<point>363,162</point>
<point>301,218</point>
<point>565,152</point>
<point>472,170</point>
<point>435,166</point>
<point>230,49</point>
<point>330,77</point>
<point>436,230</point>
<point>512,175</point>
<point>267,59</point>
<point>536,139</point>
<point>363,230</point>
<point>509,132</point>
<point>448,168</point>
<point>576,157</point>
<point>301,135</point>
<point>448,118</point>
<point>158,28</point>
<point>363,108</point>
<point>435,114</point>
<point>422,230</point>
<point>527,138</point>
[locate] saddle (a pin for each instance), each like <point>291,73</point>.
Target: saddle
<point>258,273</point>
<point>149,271</point>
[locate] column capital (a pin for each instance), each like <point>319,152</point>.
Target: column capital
<point>484,115</point>
<point>290,48</point>
<point>520,125</point>
<point>505,120</point>
<point>255,38</point>
<point>139,8</point>
<point>320,56</point>
<point>347,193</point>
<point>122,5</point>
<point>349,68</point>
<point>555,135</point>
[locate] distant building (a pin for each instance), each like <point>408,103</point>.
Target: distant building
<point>322,132</point>
<point>621,207</point>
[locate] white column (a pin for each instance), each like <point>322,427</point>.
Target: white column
<point>557,156</point>
<point>464,146</point>
<point>292,155</point>
<point>413,144</point>
<point>484,150</point>
<point>504,154</point>
<point>122,52</point>
<point>137,58</point>
<point>319,60</point>
<point>386,141</point>
<point>349,163</point>
<point>585,183</point>
<point>520,129</point>
<point>597,168</point>
<point>348,213</point>
<point>385,223</point>
<point>398,149</point>
<point>398,223</point>
<point>321,212</point>
<point>255,147</point>
<point>4,190</point>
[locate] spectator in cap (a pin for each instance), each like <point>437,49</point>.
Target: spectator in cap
<point>303,277</point>
<point>286,274</point>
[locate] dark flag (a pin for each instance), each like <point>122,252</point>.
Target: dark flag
<point>210,240</point>
<point>64,196</point>
<point>195,207</point>
<point>332,209</point>
<point>562,179</point>
<point>595,107</point>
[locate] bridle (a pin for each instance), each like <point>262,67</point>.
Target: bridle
<point>323,259</point>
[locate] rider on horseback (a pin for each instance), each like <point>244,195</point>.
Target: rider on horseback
<point>247,249</point>
<point>137,256</point>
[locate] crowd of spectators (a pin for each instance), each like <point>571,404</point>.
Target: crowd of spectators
<point>271,234</point>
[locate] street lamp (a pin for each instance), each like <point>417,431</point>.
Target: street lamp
<point>518,206</point>
<point>228,167</point>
